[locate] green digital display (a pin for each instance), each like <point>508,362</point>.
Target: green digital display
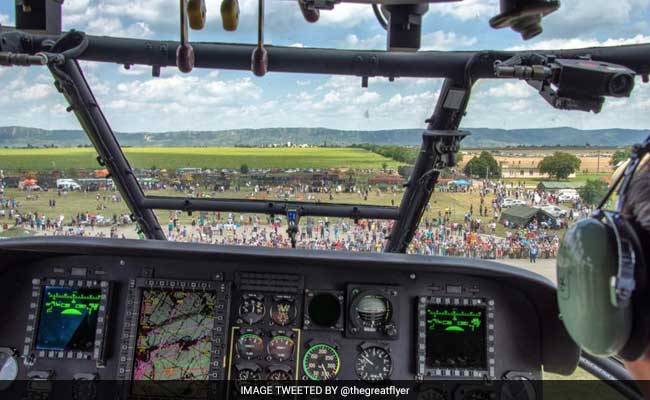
<point>454,320</point>
<point>455,336</point>
<point>68,318</point>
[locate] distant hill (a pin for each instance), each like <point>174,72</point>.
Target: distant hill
<point>481,137</point>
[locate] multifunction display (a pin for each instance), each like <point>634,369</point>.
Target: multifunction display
<point>68,318</point>
<point>174,330</point>
<point>174,340</point>
<point>455,337</point>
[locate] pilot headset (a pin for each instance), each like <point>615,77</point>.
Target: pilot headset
<point>602,275</point>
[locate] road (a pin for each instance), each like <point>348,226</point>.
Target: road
<point>545,267</point>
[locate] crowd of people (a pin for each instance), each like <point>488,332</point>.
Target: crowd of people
<point>438,235</point>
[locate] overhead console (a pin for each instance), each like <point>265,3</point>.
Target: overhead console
<point>131,311</point>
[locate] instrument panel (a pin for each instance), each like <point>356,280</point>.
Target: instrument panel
<point>135,311</point>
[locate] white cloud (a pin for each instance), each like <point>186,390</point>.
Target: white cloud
<point>534,112</point>
<point>4,19</point>
<point>411,100</point>
<point>578,43</point>
<point>347,15</point>
<point>114,27</point>
<point>134,18</point>
<point>376,42</point>
<point>149,11</point>
<point>467,9</point>
<point>75,6</point>
<point>181,94</point>
<point>367,98</point>
<point>21,89</point>
<point>437,40</point>
<point>517,90</point>
<point>440,40</point>
<point>299,45</point>
<point>578,17</point>
<point>140,16</point>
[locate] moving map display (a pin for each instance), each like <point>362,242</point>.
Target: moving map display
<point>68,318</point>
<point>455,336</point>
<point>174,338</point>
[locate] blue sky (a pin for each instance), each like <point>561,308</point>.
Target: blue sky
<point>213,100</point>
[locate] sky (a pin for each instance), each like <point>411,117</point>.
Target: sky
<point>134,101</point>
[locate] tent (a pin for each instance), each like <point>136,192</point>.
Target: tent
<point>101,173</point>
<point>522,215</point>
<point>460,182</point>
<point>550,186</point>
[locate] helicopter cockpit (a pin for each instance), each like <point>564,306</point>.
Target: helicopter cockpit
<point>163,319</point>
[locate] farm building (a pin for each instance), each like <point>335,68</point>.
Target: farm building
<point>523,169</point>
<point>522,215</point>
<point>551,186</point>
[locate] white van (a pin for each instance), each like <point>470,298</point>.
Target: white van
<point>67,184</point>
<point>568,195</point>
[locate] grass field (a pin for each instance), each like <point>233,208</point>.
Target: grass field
<point>196,157</point>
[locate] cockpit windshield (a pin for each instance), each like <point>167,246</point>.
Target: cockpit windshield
<point>366,152</point>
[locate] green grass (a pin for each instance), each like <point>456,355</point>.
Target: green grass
<point>14,232</point>
<point>554,388</point>
<point>197,157</point>
<point>583,177</point>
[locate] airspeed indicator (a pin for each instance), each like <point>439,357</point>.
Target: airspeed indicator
<point>321,362</point>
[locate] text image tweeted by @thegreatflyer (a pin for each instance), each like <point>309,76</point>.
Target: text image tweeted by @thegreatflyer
<point>402,390</point>
<point>329,391</point>
<point>515,389</point>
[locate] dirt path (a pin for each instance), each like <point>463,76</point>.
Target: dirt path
<point>545,267</point>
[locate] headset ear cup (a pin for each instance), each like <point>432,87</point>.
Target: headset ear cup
<point>587,260</point>
<point>640,335</point>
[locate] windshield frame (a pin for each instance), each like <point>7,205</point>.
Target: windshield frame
<point>440,142</point>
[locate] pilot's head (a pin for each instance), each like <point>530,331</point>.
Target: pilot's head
<point>637,204</point>
<point>637,207</point>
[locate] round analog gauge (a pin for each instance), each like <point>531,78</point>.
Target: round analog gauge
<point>283,312</point>
<point>248,374</point>
<point>251,310</point>
<point>8,368</point>
<point>373,311</point>
<point>279,375</point>
<point>281,347</point>
<point>321,362</point>
<point>250,345</point>
<point>373,364</point>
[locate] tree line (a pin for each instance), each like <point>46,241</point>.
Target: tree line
<point>403,154</point>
